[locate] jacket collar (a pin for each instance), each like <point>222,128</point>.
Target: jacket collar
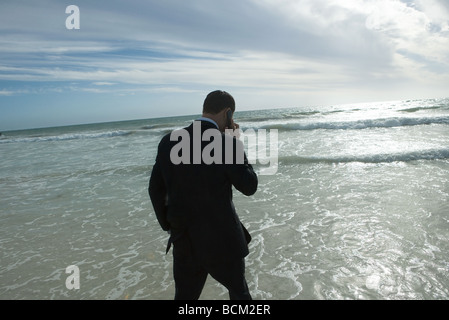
<point>204,119</point>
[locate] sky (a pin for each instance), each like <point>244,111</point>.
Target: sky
<point>139,59</point>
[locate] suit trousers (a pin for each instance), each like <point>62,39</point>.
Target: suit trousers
<point>190,275</point>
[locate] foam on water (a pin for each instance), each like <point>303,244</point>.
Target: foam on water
<point>68,136</point>
<point>440,154</point>
<point>358,124</point>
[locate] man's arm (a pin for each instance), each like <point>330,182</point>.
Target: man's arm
<point>158,194</point>
<point>242,175</point>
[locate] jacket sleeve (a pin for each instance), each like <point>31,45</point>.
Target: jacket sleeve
<point>241,173</point>
<point>158,194</point>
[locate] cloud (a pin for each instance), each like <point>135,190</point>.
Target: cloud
<point>436,10</point>
<point>4,92</point>
<point>188,30</point>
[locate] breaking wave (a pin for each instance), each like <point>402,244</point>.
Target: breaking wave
<point>358,124</point>
<point>67,136</point>
<point>434,154</point>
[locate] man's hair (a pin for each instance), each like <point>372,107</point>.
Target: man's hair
<point>218,100</point>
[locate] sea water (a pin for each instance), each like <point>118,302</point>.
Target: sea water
<point>357,209</point>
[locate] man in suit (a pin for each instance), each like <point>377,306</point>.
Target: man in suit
<point>192,200</point>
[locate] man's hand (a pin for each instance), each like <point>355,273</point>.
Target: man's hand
<point>234,131</point>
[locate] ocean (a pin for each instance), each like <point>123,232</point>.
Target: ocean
<point>358,207</point>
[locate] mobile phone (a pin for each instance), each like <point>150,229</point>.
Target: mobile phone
<point>228,120</point>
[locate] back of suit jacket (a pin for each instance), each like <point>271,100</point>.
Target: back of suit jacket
<point>195,199</point>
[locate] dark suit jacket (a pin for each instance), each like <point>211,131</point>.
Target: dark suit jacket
<point>196,199</point>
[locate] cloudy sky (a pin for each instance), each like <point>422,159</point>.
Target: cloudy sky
<point>139,59</point>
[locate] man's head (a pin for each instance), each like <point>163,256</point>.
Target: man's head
<point>216,107</point>
<point>217,101</point>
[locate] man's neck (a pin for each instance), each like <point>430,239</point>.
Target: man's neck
<point>203,118</point>
<point>214,117</point>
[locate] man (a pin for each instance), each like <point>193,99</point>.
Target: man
<point>193,201</point>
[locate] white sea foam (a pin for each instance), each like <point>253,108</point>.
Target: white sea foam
<point>356,124</point>
<point>68,136</point>
<point>431,154</point>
